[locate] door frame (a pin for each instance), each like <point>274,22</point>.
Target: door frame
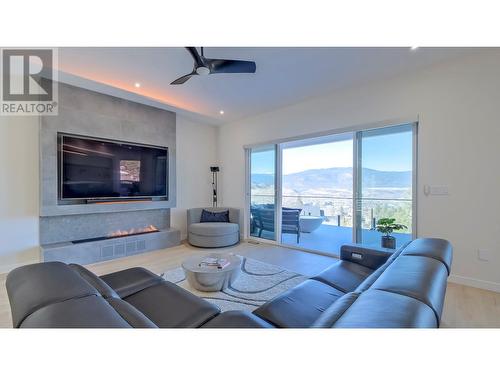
<point>278,146</point>
<point>357,194</point>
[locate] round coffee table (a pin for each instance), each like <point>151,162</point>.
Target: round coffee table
<point>211,279</point>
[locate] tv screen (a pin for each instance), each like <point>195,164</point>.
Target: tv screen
<point>92,168</point>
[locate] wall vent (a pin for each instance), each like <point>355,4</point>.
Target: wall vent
<point>141,245</point>
<point>107,251</point>
<point>131,247</point>
<point>119,249</point>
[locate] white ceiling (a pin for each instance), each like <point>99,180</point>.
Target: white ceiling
<point>284,75</point>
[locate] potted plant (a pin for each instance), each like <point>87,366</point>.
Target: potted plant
<point>386,226</point>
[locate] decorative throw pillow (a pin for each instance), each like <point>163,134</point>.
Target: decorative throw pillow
<point>214,217</point>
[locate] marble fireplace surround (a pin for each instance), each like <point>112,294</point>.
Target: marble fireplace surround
<point>87,113</point>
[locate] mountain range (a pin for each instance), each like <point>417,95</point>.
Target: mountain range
<point>338,178</point>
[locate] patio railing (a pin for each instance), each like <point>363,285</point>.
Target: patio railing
<point>338,210</point>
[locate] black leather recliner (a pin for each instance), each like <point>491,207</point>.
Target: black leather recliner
<point>367,288</point>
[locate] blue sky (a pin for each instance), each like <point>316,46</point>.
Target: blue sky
<point>388,152</point>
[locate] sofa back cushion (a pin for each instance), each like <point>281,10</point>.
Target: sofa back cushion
<point>381,309</point>
<point>87,312</point>
<point>421,278</point>
<point>103,288</point>
<point>35,286</point>
<point>368,282</point>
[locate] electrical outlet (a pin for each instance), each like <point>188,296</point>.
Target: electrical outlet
<point>484,255</point>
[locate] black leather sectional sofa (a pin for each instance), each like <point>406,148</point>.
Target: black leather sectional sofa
<point>367,288</point>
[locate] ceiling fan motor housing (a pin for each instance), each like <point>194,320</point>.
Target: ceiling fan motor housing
<point>202,71</point>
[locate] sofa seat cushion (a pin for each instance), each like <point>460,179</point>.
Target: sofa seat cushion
<point>169,306</point>
<point>214,229</point>
<point>87,312</point>
<point>299,307</point>
<point>237,319</point>
<point>344,276</point>
<point>381,309</point>
<point>130,314</point>
<point>328,318</point>
<point>130,281</point>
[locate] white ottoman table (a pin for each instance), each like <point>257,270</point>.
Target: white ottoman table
<point>211,279</point>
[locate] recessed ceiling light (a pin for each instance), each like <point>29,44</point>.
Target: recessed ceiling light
<point>137,84</point>
<point>413,48</point>
<point>221,112</point>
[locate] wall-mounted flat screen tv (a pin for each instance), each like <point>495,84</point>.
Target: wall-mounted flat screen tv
<point>93,169</point>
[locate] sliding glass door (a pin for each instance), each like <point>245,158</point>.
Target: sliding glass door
<point>385,178</point>
<point>263,190</point>
<point>319,193</point>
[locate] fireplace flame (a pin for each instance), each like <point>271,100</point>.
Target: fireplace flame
<point>120,233</point>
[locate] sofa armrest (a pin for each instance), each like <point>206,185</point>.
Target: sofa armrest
<point>237,319</point>
<point>366,256</point>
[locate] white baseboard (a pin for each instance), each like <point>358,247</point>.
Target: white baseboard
<point>476,283</point>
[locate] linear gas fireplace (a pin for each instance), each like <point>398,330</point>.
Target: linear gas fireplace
<point>120,234</point>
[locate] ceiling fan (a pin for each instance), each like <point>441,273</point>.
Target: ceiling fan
<point>204,66</point>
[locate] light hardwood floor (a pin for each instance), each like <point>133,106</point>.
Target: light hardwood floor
<point>465,307</point>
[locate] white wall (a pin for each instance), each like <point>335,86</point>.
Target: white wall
<point>18,191</point>
<point>459,146</point>
<point>196,152</point>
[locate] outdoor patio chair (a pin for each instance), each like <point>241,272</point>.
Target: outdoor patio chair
<point>263,220</point>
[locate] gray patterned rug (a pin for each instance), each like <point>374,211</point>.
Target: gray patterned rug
<point>257,283</point>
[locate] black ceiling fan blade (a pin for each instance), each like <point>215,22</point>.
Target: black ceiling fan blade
<point>198,60</point>
<point>183,79</point>
<point>230,66</point>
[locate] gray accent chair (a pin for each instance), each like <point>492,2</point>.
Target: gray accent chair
<point>212,235</point>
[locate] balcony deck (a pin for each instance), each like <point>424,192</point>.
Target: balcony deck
<point>328,238</point>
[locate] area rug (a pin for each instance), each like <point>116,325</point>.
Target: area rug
<point>257,283</point>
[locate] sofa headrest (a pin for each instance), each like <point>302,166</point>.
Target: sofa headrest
<point>35,286</point>
<point>435,248</point>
